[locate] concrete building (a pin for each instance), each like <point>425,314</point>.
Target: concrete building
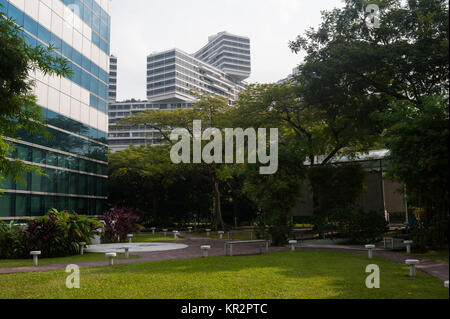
<point>381,195</point>
<point>228,52</point>
<point>74,108</point>
<point>172,77</point>
<point>112,78</point>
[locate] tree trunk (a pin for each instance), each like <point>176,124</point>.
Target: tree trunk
<point>218,221</point>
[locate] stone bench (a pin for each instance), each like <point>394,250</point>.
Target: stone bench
<point>260,243</point>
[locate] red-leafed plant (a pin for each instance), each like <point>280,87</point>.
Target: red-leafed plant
<point>120,221</point>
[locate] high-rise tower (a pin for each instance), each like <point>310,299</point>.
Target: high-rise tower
<point>228,52</point>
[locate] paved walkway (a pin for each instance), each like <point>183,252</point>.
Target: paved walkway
<point>433,268</point>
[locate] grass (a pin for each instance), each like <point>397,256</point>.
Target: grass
<point>280,275</point>
<point>88,257</point>
<point>435,255</point>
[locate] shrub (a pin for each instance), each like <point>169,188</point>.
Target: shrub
<point>120,221</point>
<point>430,234</point>
<point>366,227</point>
<point>56,235</point>
<point>12,240</point>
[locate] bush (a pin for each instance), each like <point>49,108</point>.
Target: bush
<point>120,221</point>
<point>366,227</point>
<point>432,234</point>
<point>56,235</point>
<point>12,240</point>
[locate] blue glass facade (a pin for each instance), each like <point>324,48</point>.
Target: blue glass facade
<point>74,154</point>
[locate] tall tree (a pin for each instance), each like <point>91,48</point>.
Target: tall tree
<point>209,109</point>
<point>405,58</point>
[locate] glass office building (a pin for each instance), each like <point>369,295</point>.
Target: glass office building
<point>74,155</point>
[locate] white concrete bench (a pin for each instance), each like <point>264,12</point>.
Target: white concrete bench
<point>153,230</point>
<point>221,234</point>
<point>165,232</point>
<point>260,243</point>
<point>207,232</point>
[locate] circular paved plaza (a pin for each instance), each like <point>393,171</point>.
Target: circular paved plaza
<point>134,247</point>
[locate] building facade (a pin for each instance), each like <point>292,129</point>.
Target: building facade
<point>112,78</point>
<point>172,78</point>
<point>74,158</point>
<point>121,137</point>
<point>228,52</point>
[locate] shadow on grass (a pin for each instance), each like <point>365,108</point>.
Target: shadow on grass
<point>339,274</point>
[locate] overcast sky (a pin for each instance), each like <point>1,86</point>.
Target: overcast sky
<point>140,27</point>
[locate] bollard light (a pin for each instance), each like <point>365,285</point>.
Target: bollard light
<point>35,255</point>
<point>205,250</point>
<point>370,249</point>
<point>292,243</point>
<point>111,257</point>
<point>412,266</point>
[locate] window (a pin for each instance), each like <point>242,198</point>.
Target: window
<point>43,34</point>
<point>16,15</point>
<point>30,25</point>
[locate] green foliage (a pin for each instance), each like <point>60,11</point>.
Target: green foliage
<point>18,108</point>
<point>430,233</point>
<point>406,58</point>
<point>12,240</point>
<point>276,194</point>
<point>57,235</point>
<point>145,178</point>
<point>336,189</point>
<point>365,227</point>
<point>418,137</point>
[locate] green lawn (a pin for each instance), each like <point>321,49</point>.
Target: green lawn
<point>436,255</point>
<point>279,275</point>
<point>92,257</point>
